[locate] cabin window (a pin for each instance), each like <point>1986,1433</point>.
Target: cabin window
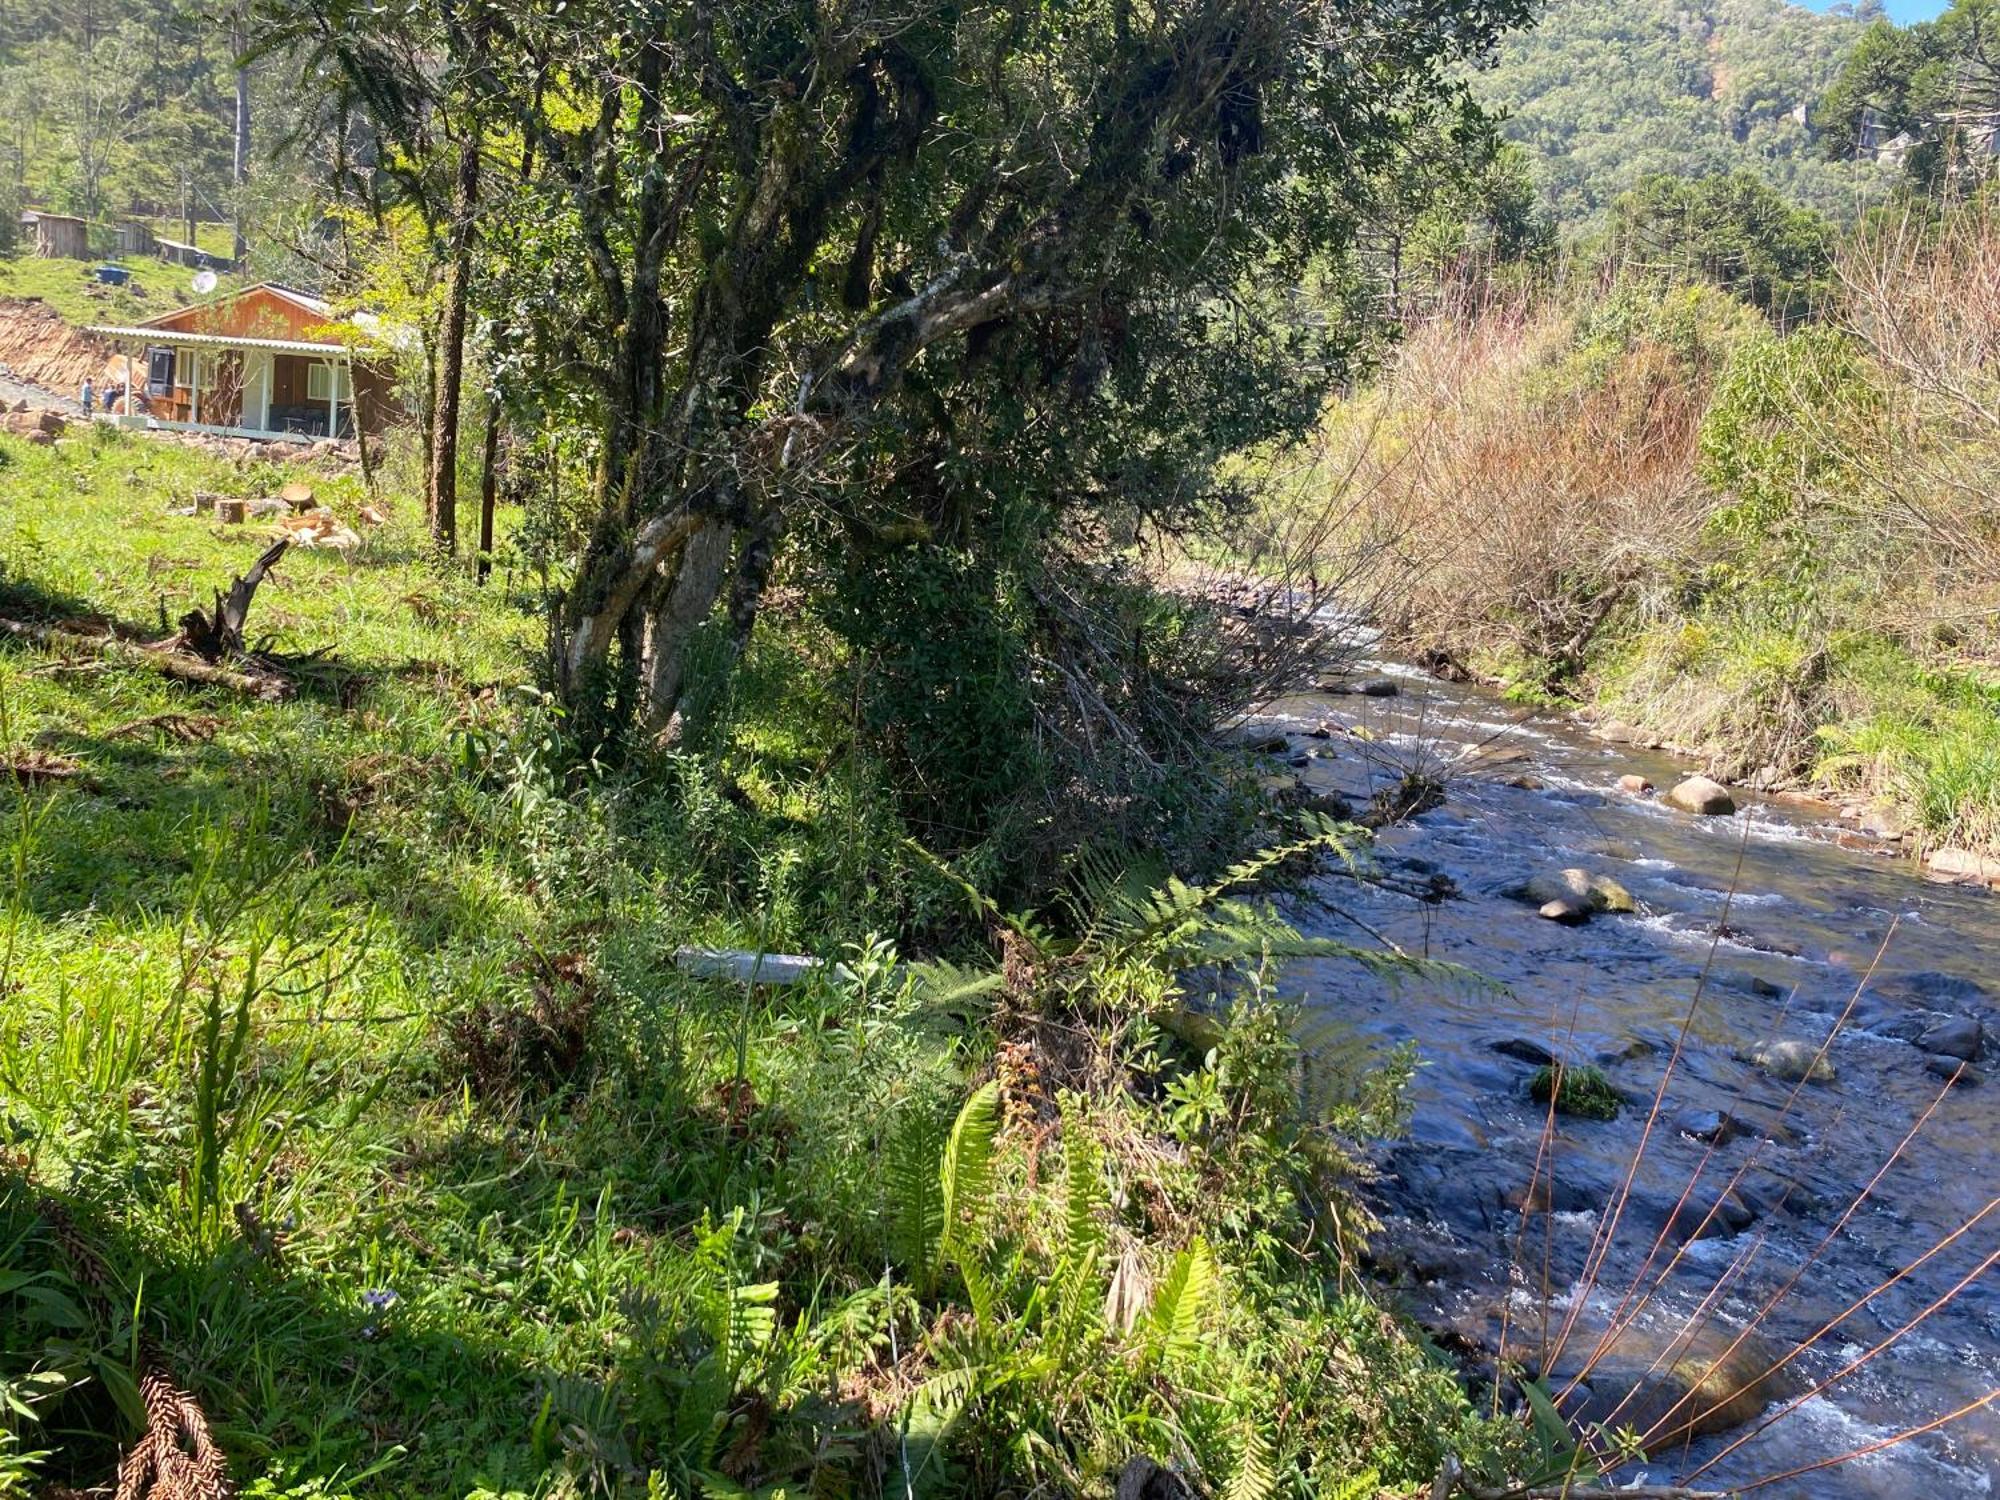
<point>323,379</point>
<point>183,367</point>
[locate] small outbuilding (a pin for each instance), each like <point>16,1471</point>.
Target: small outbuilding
<point>57,236</point>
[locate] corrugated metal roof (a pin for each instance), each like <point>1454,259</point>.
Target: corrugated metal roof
<point>217,340</point>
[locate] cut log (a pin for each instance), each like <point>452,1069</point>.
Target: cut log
<point>231,512</point>
<point>164,660</point>
<point>213,638</point>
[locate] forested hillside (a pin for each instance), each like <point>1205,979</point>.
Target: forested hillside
<point>116,106</point>
<point>1604,93</point>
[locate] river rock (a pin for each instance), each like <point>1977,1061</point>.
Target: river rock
<point>1885,822</point>
<point>1587,888</point>
<point>1698,794</point>
<point>1568,912</point>
<point>1378,687</point>
<point>1963,1073</point>
<point>1615,730</point>
<point>1962,865</point>
<point>1264,742</point>
<point>1667,1376</point>
<point>1523,1050</point>
<point>1714,1126</point>
<point>1933,988</point>
<point>1704,1216</point>
<point>1634,783</point>
<point>1755,984</point>
<point>1790,1062</point>
<point>1955,1036</point>
<point>1528,784</point>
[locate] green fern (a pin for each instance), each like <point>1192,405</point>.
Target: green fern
<point>966,1174</point>
<point>933,1412</point>
<point>1255,1477</point>
<point>1086,1199</point>
<point>1181,1304</point>
<point>944,986</point>
<point>916,1197</point>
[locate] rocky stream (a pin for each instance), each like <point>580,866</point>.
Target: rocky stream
<point>1781,1206</point>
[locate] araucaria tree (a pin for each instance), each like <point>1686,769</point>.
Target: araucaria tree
<point>797,224</point>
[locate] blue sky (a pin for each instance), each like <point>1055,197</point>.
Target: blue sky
<point>1900,10</point>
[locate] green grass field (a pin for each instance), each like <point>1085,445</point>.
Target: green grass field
<point>69,287</point>
<point>348,1080</point>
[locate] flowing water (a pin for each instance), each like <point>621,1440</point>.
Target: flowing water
<point>1787,923</point>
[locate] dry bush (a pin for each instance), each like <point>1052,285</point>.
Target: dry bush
<point>1522,484</point>
<point>1924,301</point>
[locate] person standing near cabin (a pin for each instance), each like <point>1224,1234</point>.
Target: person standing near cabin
<point>88,396</point>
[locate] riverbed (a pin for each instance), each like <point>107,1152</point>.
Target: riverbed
<point>1785,924</point>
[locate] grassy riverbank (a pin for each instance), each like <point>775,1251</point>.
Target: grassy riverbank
<point>347,1080</point>
<point>1775,552</point>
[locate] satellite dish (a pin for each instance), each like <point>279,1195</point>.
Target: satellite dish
<point>204,283</point>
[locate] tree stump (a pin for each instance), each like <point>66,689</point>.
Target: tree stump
<point>231,512</point>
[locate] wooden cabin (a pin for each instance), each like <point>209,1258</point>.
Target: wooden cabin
<point>57,236</point>
<point>265,362</point>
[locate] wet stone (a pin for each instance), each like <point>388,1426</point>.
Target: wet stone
<point>1716,1127</point>
<point>1957,1036</point>
<point>1523,1050</point>
<point>1964,1074</point>
<point>1378,687</point>
<point>1791,1062</point>
<point>1568,913</point>
<point>1700,795</point>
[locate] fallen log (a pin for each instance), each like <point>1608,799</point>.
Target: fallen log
<point>745,967</point>
<point>171,663</point>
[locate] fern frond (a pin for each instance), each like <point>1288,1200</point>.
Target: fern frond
<point>966,1173</point>
<point>916,1197</point>
<point>1086,1199</point>
<point>934,1410</point>
<point>1255,1477</point>
<point>753,1319</point>
<point>1181,1304</point>
<point>944,986</point>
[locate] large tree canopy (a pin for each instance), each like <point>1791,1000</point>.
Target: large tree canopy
<point>764,230</point>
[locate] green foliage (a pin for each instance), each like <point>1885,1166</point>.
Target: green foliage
<point>1931,85</point>
<point>1583,1091</point>
<point>1735,232</point>
<point>1606,93</point>
<point>239,959</point>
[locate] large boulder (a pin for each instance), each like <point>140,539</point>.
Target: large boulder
<point>1705,1380</point>
<point>1634,783</point>
<point>1698,794</point>
<point>1584,888</point>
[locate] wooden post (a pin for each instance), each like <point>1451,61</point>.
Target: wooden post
<point>194,384</point>
<point>125,411</point>
<point>333,398</point>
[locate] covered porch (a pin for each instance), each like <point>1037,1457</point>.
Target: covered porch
<point>233,385</point>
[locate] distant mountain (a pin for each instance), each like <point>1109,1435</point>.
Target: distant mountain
<point>1605,92</point>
